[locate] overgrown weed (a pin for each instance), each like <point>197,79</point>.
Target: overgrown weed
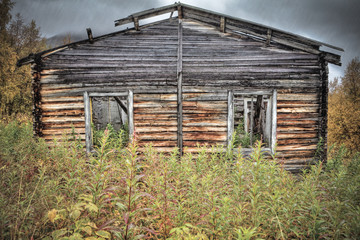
<point>61,193</point>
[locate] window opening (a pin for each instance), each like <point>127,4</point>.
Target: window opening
<point>253,117</point>
<point>108,110</point>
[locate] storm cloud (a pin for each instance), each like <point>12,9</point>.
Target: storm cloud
<point>331,21</point>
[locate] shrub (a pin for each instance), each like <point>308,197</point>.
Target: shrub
<point>61,193</point>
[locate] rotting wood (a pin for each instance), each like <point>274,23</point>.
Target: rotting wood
<point>212,65</point>
<point>121,104</point>
<point>179,89</point>
<point>90,36</point>
<point>230,120</point>
<point>130,104</point>
<point>268,39</point>
<point>223,24</point>
<point>274,118</point>
<point>87,122</point>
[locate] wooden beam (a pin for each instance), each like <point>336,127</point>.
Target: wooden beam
<point>147,14</point>
<point>230,120</point>
<point>268,39</point>
<point>117,94</point>
<point>121,104</point>
<point>251,120</point>
<point>180,12</point>
<point>136,23</point>
<point>90,36</point>
<point>273,120</point>
<point>179,90</point>
<point>88,142</point>
<point>223,24</point>
<point>130,103</point>
<point>260,92</point>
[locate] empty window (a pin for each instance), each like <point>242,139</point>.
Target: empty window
<point>252,118</point>
<point>107,110</point>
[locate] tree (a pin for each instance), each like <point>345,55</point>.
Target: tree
<point>344,108</point>
<point>18,40</point>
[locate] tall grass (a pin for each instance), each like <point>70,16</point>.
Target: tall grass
<point>61,193</point>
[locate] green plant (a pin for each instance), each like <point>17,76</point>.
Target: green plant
<point>62,193</point>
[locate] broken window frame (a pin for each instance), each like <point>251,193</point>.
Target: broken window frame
<point>130,104</point>
<point>272,103</point>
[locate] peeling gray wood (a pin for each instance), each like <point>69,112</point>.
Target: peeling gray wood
<point>87,122</point>
<point>108,94</point>
<point>179,89</point>
<point>230,120</point>
<point>274,120</point>
<point>130,103</point>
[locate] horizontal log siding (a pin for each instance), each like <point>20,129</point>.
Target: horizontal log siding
<point>213,63</point>
<point>213,60</point>
<point>204,119</point>
<point>155,120</point>
<point>142,61</point>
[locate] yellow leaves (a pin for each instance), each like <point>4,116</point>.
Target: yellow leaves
<point>52,215</point>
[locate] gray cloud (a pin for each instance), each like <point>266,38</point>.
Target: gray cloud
<point>74,16</point>
<point>331,21</point>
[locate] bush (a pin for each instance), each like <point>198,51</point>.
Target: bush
<point>60,193</point>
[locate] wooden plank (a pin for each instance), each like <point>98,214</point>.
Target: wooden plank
<point>223,24</point>
<point>158,136</point>
<point>179,89</point>
<point>292,96</point>
<point>205,136</point>
<point>230,120</point>
<point>147,14</point>
<point>121,104</point>
<point>149,129</point>
<point>59,119</point>
<point>62,106</point>
<point>204,129</point>
<point>273,101</point>
<point>59,131</point>
<point>297,135</point>
<point>88,141</point>
<point>109,94</point>
<point>155,97</point>
<point>130,103</point>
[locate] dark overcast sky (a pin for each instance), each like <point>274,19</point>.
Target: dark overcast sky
<point>336,22</point>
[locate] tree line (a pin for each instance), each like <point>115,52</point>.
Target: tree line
<point>17,40</point>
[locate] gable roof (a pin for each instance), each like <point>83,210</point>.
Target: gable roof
<point>222,22</point>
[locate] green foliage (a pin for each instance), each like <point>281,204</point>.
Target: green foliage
<point>242,138</point>
<point>115,138</point>
<point>17,40</point>
<point>62,193</point>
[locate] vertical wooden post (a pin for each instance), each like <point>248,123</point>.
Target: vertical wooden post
<point>179,90</point>
<point>130,104</point>
<point>223,24</point>
<point>88,142</point>
<point>136,24</point>
<point>246,113</point>
<point>323,120</point>
<point>230,120</point>
<point>180,12</point>
<point>252,120</point>
<point>273,120</point>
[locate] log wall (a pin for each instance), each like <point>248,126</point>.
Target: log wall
<point>213,63</point>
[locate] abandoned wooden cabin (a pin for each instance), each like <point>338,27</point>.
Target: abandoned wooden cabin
<point>195,77</point>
